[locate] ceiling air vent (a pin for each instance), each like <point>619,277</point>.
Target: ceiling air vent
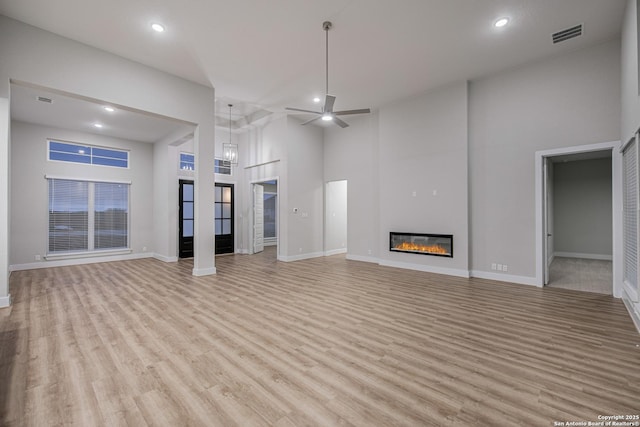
<point>43,99</point>
<point>567,34</point>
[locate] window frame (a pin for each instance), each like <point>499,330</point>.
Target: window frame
<point>90,156</point>
<point>91,250</point>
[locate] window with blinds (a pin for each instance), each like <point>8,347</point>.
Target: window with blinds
<point>86,216</point>
<point>630,213</point>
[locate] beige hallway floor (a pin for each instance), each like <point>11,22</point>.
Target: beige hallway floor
<point>589,275</point>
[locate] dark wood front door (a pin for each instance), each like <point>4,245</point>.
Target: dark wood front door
<point>186,219</point>
<point>223,201</point>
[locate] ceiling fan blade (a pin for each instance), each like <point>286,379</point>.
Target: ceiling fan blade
<point>340,122</point>
<point>345,112</point>
<point>310,121</point>
<point>329,100</point>
<point>302,111</point>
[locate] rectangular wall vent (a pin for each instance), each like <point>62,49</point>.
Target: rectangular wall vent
<point>43,99</point>
<point>567,34</point>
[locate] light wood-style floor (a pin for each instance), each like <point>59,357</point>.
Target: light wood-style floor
<point>319,342</point>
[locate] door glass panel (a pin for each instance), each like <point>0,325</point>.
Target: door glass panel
<point>187,228</point>
<point>218,210</point>
<point>226,210</point>
<point>187,210</point>
<point>218,227</point>
<point>226,194</point>
<point>218,195</point>
<point>226,226</point>
<point>187,193</point>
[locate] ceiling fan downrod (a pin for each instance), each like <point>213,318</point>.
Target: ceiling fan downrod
<point>326,26</point>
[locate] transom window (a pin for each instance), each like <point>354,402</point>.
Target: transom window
<point>188,162</point>
<point>87,154</point>
<point>223,167</point>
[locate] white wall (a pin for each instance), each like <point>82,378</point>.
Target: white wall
<point>5,195</point>
<point>259,145</point>
<point>629,73</point>
<point>423,184</point>
<point>305,191</point>
<point>559,102</point>
<point>335,218</point>
<point>29,196</point>
<point>630,110</point>
<point>352,154</point>
<point>41,58</point>
<point>582,208</point>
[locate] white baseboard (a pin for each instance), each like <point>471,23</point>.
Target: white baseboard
<point>199,272</point>
<point>165,258</point>
<point>425,268</point>
<point>78,261</point>
<point>602,257</point>
<point>362,258</point>
<point>521,280</point>
<point>300,257</point>
<point>634,312</point>
<point>335,252</point>
<point>242,251</point>
<point>5,301</point>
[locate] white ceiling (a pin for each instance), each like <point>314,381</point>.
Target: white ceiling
<point>270,54</point>
<point>71,112</point>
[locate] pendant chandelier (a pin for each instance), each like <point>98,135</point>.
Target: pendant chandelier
<point>230,150</point>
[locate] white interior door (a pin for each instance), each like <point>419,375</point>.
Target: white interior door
<point>548,242</point>
<point>258,218</point>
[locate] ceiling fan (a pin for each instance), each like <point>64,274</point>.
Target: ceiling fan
<point>327,113</point>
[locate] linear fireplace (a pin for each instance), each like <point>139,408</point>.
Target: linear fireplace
<point>424,244</point>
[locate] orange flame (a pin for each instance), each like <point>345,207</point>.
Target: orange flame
<point>432,249</point>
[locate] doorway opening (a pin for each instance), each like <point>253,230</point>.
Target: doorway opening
<point>335,218</point>
<point>578,233</point>
<point>265,217</point>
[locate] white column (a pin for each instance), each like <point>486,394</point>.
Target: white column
<point>203,239</point>
<point>5,177</point>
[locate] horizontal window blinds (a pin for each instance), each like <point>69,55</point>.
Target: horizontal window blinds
<point>68,215</point>
<point>630,213</point>
<point>87,216</point>
<point>111,214</point>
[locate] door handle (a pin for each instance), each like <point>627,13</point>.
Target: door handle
<point>549,234</point>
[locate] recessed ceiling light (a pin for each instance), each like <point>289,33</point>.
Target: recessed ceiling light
<point>109,109</point>
<point>98,125</point>
<point>501,22</point>
<point>316,99</point>
<point>157,27</point>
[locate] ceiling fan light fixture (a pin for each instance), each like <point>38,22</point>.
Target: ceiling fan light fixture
<point>158,28</point>
<point>501,22</point>
<point>328,114</point>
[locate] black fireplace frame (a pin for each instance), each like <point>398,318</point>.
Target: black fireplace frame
<point>423,235</point>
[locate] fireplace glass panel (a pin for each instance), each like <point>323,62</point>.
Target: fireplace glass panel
<point>424,244</point>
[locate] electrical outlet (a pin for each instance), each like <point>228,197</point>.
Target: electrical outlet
<point>369,251</point>
<point>37,257</point>
<point>493,265</point>
<point>144,249</point>
<point>499,267</point>
<point>504,267</point>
